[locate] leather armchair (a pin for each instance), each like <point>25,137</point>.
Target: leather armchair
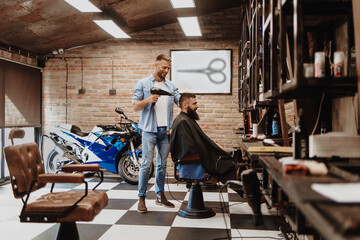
<point>27,175</point>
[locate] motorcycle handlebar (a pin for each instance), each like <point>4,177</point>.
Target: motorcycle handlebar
<point>128,126</point>
<point>119,110</point>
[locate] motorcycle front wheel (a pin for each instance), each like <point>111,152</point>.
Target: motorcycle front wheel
<point>53,162</point>
<point>130,173</point>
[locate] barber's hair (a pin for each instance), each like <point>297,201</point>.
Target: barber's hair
<point>163,57</point>
<point>184,97</point>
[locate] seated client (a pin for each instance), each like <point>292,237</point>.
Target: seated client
<point>187,137</point>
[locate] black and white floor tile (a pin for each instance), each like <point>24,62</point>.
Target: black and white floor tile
<point>120,219</point>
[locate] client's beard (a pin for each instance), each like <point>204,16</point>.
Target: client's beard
<point>193,114</point>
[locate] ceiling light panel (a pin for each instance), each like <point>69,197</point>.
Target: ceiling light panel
<point>182,3</point>
<point>110,27</point>
<point>83,5</point>
<point>190,26</point>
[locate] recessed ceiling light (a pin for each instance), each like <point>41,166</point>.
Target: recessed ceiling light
<point>83,5</point>
<point>110,27</point>
<point>182,3</point>
<point>190,26</point>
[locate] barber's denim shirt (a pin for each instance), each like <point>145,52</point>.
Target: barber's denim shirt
<point>147,120</point>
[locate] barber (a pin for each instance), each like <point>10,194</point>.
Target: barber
<point>155,121</point>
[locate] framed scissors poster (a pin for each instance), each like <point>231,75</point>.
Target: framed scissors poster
<point>202,71</point>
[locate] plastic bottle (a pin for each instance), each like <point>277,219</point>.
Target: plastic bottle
<point>353,62</point>
<point>248,67</point>
<point>268,123</point>
<point>246,124</point>
<point>301,139</point>
<point>275,125</point>
<point>261,92</point>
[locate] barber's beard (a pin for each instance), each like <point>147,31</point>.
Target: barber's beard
<point>161,75</point>
<point>193,114</point>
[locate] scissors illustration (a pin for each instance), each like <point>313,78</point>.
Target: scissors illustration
<point>215,68</point>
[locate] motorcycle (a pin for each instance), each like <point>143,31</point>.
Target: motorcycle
<point>114,147</point>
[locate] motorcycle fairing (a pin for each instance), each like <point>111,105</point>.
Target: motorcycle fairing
<point>102,152</point>
<point>108,151</point>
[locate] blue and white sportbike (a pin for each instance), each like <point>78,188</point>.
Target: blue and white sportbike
<point>114,147</point>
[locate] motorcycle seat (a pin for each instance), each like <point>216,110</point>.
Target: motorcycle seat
<point>77,130</point>
<point>108,127</point>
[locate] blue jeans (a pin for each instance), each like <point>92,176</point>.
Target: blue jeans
<point>151,140</point>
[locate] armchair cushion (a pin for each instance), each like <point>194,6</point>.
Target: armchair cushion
<point>85,210</point>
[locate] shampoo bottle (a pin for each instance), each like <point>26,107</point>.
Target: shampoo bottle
<point>300,139</point>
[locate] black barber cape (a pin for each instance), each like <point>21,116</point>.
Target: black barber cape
<point>187,136</point>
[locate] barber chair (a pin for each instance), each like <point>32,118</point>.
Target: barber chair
<point>27,175</point>
<point>190,170</point>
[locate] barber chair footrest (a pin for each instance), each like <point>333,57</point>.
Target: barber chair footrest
<point>196,213</point>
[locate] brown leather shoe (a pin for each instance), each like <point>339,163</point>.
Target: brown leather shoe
<point>161,200</point>
<point>141,205</point>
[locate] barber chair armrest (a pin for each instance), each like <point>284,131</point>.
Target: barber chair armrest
<point>94,167</point>
<point>190,157</point>
<point>61,178</point>
<point>81,168</point>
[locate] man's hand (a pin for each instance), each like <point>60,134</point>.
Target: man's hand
<point>140,105</point>
<point>153,98</point>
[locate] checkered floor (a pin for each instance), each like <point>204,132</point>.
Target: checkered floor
<point>120,219</point>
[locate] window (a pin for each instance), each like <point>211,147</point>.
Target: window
<point>20,104</point>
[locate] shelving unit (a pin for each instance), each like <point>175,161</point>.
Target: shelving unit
<point>279,36</point>
<point>259,52</point>
<point>255,49</point>
<point>292,31</point>
<point>270,33</point>
<point>243,65</point>
<point>250,60</point>
<point>309,26</point>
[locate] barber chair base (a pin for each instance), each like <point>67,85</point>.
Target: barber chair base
<point>196,213</point>
<point>196,208</point>
<point>68,231</point>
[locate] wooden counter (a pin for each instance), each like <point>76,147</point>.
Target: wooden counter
<point>305,209</point>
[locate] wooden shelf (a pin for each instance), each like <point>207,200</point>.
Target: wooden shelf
<point>312,87</point>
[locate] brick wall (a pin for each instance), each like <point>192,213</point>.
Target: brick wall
<point>133,59</point>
